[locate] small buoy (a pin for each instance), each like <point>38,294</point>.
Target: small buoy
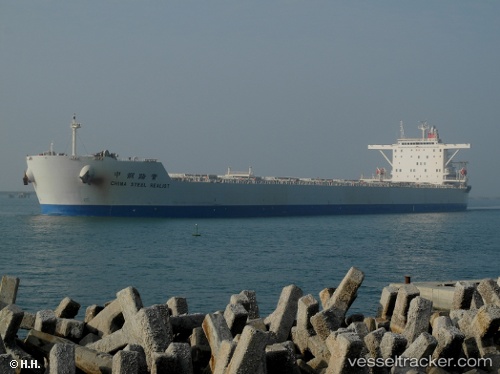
<point>196,233</point>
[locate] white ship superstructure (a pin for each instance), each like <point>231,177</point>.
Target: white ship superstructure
<point>423,179</point>
<point>424,160</point>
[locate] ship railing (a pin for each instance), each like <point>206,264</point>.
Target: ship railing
<point>209,178</point>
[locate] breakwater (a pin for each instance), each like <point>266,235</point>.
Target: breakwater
<point>302,334</point>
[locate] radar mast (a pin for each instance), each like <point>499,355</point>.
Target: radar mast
<point>74,126</point>
<point>424,127</point>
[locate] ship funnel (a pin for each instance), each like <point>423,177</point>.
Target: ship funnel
<point>74,126</point>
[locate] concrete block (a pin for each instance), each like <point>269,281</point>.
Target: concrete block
<point>224,356</point>
<point>307,307</point>
<point>392,345</point>
<point>489,291</point>
<point>45,321</point>
<point>318,348</point>
<point>198,338</point>
<point>406,294</point>
<point>441,322</point>
<point>486,323</point>
<point>439,313</point>
<point>382,323</point>
<point>177,306</point>
<point>240,299</point>
<point>160,363</point>
<point>28,321</point>
<point>318,365</point>
<point>180,358</point>
<point>110,343</point>
<point>69,328</point>
<point>11,318</point>
<point>151,329</point>
<point>143,365</point>
<point>249,353</point>
<point>464,323</point>
<point>201,358</point>
<point>462,296</point>
<point>87,360</point>
<point>432,370</point>
<point>355,317</point>
<point>258,323</point>
<point>345,348</point>
<point>387,302</point>
<point>492,354</point>
<point>22,356</point>
<point>422,346</point>
<point>449,341</point>
<point>280,359</point>
<point>456,314</point>
<point>183,325</point>
<point>162,310</point>
<point>418,318</point>
<point>253,310</point>
<point>477,300</point>
<point>126,362</point>
<point>67,308</point>
<point>216,330</point>
<point>107,320</point>
<point>300,338</point>
<point>130,302</point>
<point>326,321</point>
<point>370,323</point>
<point>470,348</point>
<point>62,359</point>
<point>5,366</point>
<point>346,292</point>
<point>325,295</point>
<point>8,290</point>
<point>91,312</point>
<point>236,318</point>
<point>281,320</point>
<point>88,339</point>
<point>305,368</point>
<point>359,328</point>
<point>373,341</point>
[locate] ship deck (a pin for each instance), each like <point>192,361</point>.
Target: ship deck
<point>212,178</point>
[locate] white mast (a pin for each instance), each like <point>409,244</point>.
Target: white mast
<point>424,127</point>
<point>74,127</point>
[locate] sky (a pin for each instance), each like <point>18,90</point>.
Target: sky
<point>291,88</point>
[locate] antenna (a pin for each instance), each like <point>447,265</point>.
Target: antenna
<point>424,127</point>
<point>74,126</point>
<point>402,130</point>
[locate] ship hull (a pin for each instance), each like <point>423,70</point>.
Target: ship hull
<point>128,188</point>
<point>242,211</point>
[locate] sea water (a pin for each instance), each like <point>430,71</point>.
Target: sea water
<point>90,259</point>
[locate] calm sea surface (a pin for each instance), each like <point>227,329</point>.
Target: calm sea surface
<point>90,259</point>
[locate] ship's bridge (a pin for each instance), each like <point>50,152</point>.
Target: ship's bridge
<point>423,160</point>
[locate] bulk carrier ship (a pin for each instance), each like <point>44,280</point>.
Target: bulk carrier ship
<point>424,178</point>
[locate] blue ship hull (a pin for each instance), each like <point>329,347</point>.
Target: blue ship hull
<point>242,210</point>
